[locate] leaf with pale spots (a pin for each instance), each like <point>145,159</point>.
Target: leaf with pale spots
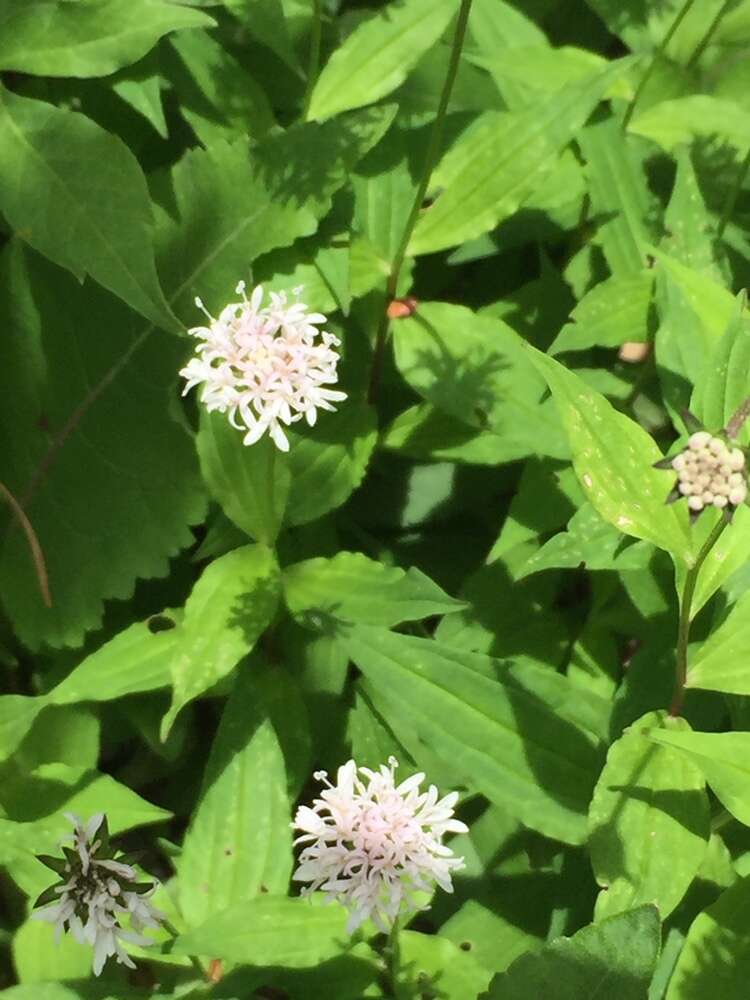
<point>613,458</point>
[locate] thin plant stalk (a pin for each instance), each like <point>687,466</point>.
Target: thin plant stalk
<point>683,627</point>
<point>171,929</point>
<point>702,45</point>
<point>658,53</point>
<point>313,64</point>
<point>391,955</point>
<point>35,548</point>
<point>433,150</point>
<point>731,201</point>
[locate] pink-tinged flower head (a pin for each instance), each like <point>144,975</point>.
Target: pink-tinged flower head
<point>265,365</point>
<point>372,844</point>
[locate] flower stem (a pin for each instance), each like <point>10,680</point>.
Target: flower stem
<point>658,53</point>
<point>314,55</point>
<point>171,929</point>
<point>683,628</point>
<point>433,150</point>
<point>731,201</point>
<point>702,45</point>
<point>391,952</point>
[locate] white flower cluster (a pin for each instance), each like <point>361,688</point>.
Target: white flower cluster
<point>94,893</point>
<point>372,844</point>
<point>265,365</point>
<point>710,473</point>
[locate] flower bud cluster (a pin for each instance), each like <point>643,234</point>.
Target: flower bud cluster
<point>711,473</point>
<point>95,891</point>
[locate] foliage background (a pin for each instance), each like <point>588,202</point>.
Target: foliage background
<point>469,566</point>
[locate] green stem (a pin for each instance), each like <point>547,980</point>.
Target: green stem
<point>314,55</point>
<point>658,53</point>
<point>703,43</point>
<point>391,952</point>
<point>433,149</point>
<point>171,929</point>
<point>683,628</point>
<point>731,201</point>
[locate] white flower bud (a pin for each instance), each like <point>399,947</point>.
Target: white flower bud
<point>699,440</point>
<point>708,497</point>
<point>717,446</point>
<point>720,501</point>
<point>736,460</point>
<point>685,488</point>
<point>695,503</point>
<point>736,479</point>
<point>737,495</point>
<point>678,462</point>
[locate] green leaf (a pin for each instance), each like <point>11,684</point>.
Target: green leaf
<point>265,21</point>
<point>517,735</point>
<point>498,163</point>
<point>614,958</point>
<point>38,957</point>
<point>725,384</point>
<point>715,960</point>
<point>613,458</point>
<point>614,312</point>
<point>619,194</point>
<point>648,821</point>
<point>426,961</point>
<point>352,588</point>
<point>111,492</point>
<point>724,759</point>
<point>76,194</point>
<point>251,483</point>
<point>588,542</point>
<point>86,39</point>
<point>378,55</point>
<point>217,96</point>
<point>239,842</point>
<point>722,662</point>
<point>327,462</point>
<point>270,930</point>
<point>475,368</point>
<point>678,122</point>
<point>232,603</point>
<point>423,431</point>
<point>234,202</point>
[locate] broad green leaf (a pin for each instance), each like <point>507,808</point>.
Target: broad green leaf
<point>239,842</point>
<point>38,957</point>
<point>217,96</point>
<point>426,961</point>
<point>352,588</point>
<point>724,759</point>
<point>498,163</point>
<point>86,39</point>
<point>476,369</point>
<point>648,821</point>
<point>327,462</point>
<point>712,304</point>
<point>250,483</point>
<point>619,196</point>
<point>495,939</point>
<point>378,55</point>
<point>232,603</point>
<point>690,226</point>
<point>498,26</point>
<point>112,490</point>
<point>234,202</point>
<point>270,930</point>
<point>76,194</point>
<point>614,958</point>
<point>722,662</point>
<point>517,735</point>
<point>424,431</point>
<point>613,458</point>
<point>65,735</point>
<point>614,312</point>
<point>265,21</point>
<point>141,88</point>
<point>680,121</point>
<point>715,960</point>
<point>133,661</point>
<point>588,542</point>
<point>727,376</point>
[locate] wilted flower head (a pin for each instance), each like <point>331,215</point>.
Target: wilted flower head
<point>265,365</point>
<point>95,890</point>
<point>372,844</point>
<point>710,473</point>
